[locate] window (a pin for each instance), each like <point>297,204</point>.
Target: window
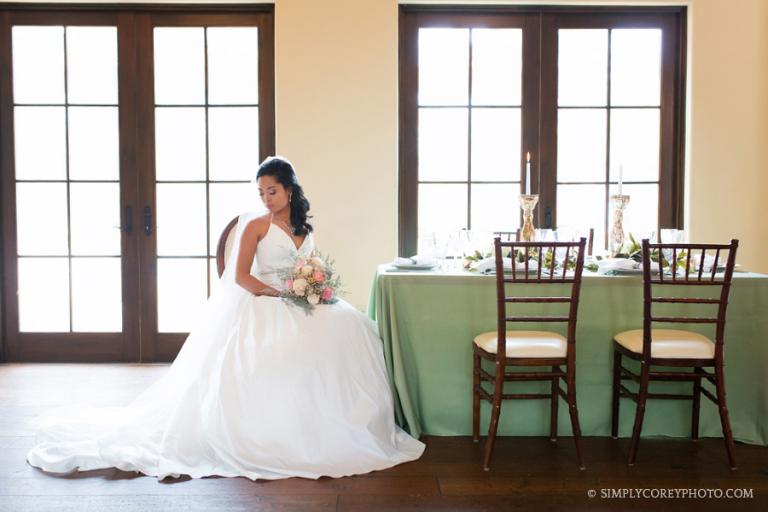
<point>591,94</point>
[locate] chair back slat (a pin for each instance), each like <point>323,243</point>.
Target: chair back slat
<point>714,265</point>
<point>685,278</point>
<point>701,263</point>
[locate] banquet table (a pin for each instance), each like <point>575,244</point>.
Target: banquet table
<point>427,320</point>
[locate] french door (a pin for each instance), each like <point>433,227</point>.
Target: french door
<point>127,142</point>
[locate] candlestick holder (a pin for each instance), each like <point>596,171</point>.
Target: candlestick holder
<point>616,239</point>
<point>528,203</point>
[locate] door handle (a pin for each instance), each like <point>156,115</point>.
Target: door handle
<point>147,220</point>
<point>128,220</point>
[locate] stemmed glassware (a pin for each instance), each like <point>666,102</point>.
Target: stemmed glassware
<point>671,236</point>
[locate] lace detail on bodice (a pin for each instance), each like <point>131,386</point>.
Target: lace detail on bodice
<point>275,252</point>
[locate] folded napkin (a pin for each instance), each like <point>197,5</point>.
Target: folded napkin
<point>487,265</point>
<point>415,260</point>
<point>612,264</point>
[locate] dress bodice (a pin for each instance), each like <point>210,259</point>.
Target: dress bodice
<point>276,252</point>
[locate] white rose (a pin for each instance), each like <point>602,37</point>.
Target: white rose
<point>307,270</point>
<point>317,262</point>
<point>313,299</point>
<point>300,286</point>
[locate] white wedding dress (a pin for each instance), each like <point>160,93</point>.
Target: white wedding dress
<point>260,389</point>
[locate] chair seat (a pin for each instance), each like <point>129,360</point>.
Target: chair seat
<point>669,343</point>
<point>525,343</point>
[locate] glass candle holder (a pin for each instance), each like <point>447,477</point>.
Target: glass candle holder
<point>528,203</point>
<point>616,238</point>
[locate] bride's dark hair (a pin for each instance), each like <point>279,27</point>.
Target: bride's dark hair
<point>282,170</point>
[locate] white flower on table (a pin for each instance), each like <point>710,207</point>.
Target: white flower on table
<point>313,299</point>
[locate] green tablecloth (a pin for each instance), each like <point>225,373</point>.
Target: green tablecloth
<point>427,321</point>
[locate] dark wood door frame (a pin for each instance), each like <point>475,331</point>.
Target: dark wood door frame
<point>139,340</point>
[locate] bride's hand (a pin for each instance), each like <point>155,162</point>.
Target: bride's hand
<point>268,292</point>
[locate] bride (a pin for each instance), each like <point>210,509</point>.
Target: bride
<point>260,389</point>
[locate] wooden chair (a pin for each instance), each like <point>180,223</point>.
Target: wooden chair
<point>529,348</point>
<point>676,348</point>
<point>223,248</point>
<point>515,235</point>
<point>508,236</point>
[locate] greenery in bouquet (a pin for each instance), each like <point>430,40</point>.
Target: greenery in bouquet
<point>310,281</point>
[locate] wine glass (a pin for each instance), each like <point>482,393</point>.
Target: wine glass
<point>671,236</point>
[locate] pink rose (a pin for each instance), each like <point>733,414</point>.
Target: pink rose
<point>327,293</point>
<point>289,284</point>
<point>299,264</point>
<point>318,276</point>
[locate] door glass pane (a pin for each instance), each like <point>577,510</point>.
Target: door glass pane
<point>233,65</point>
<point>442,136</point>
<point>442,208</point>
<point>497,60</point>
<point>39,140</point>
<point>96,295</point>
<point>182,289</point>
<point>92,65</point>
<point>179,65</point>
<point>495,207</point>
<point>41,219</point>
<point>636,67</point>
<point>38,64</point>
<point>94,143</point>
<point>227,201</point>
<point>43,294</point>
<point>582,207</point>
<point>95,219</point>
<point>443,66</point>
<point>581,144</point>
<point>635,144</point>
<point>180,144</point>
<point>233,135</point>
<point>582,67</point>
<point>181,219</point>
<point>496,135</point>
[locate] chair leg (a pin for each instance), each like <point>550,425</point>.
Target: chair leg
<point>724,420</point>
<point>616,394</point>
<point>574,412</point>
<point>553,406</point>
<point>495,412</point>
<point>642,398</point>
<point>696,406</point>
<point>475,397</point>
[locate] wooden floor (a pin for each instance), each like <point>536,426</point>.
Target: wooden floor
<point>527,473</point>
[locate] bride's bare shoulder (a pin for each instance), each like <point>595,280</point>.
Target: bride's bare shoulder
<point>257,228</point>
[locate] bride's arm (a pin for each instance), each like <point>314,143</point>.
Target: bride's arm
<point>248,243</point>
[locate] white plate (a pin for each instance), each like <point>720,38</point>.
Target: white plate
<point>414,266</point>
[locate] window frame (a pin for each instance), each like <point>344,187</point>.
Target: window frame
<point>539,102</point>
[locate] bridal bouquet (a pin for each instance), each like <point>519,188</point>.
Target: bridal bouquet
<point>311,281</point>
